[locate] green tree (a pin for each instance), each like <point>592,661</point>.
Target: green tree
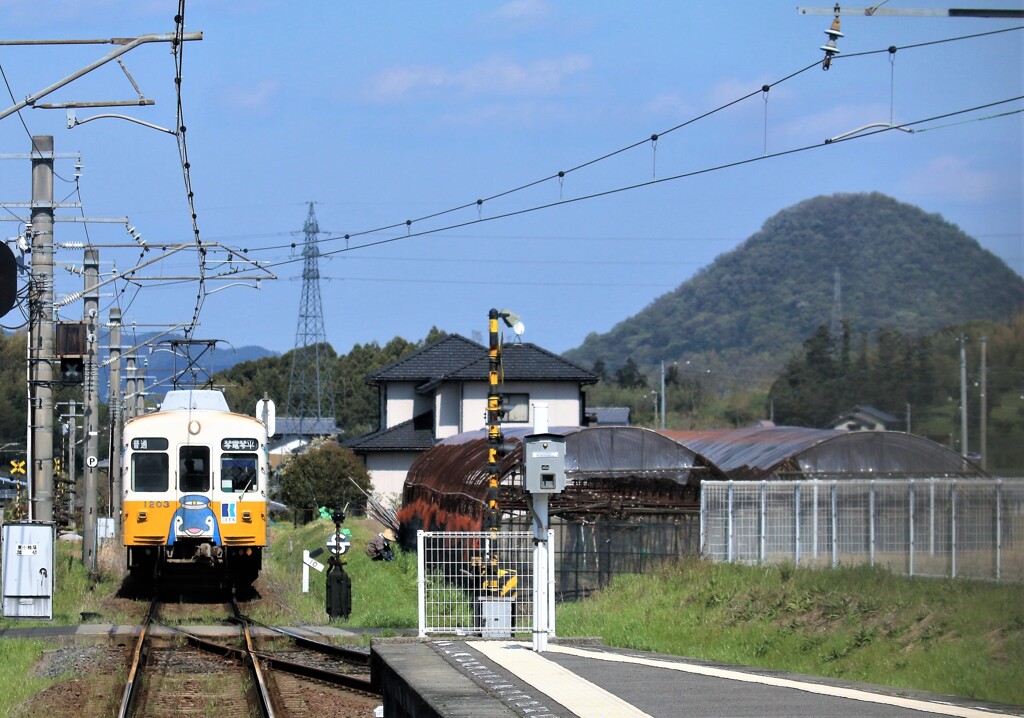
<point>13,402</point>
<point>326,474</point>
<point>809,389</point>
<point>629,376</point>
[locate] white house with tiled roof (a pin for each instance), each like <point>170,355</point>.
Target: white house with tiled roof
<point>442,390</point>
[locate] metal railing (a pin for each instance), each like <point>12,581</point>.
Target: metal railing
<point>971,528</point>
<point>478,583</point>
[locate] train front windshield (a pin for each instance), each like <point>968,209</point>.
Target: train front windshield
<point>149,472</point>
<point>239,472</point>
<point>194,469</point>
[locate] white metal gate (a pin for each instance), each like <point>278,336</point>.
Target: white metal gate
<point>479,583</point>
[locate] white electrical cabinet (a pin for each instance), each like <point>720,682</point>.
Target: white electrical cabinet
<point>28,551</point>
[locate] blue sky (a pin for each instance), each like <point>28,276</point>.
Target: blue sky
<point>386,112</point>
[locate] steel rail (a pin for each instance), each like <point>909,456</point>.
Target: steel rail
<point>253,661</point>
<point>131,691</point>
<point>351,655</point>
<point>320,674</point>
<point>299,669</point>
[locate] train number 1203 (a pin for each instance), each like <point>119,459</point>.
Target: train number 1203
<point>157,504</point>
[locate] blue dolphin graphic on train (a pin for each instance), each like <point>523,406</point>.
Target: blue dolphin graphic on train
<point>194,519</point>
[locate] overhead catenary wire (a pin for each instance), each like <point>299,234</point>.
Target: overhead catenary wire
<point>560,175</point>
<point>407,224</point>
<point>76,191</point>
<point>650,183</point>
<point>178,52</point>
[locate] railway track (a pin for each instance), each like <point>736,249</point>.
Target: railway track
<point>191,675</point>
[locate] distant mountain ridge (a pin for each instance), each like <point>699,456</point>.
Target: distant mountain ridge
<point>159,367</point>
<point>897,265</point>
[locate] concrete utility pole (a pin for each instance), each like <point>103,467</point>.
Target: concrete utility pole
<point>140,389</point>
<point>90,425</point>
<point>114,405</point>
<point>130,385</point>
<point>963,396</point>
<point>984,406</point>
<point>663,394</point>
<point>42,332</point>
<point>72,467</point>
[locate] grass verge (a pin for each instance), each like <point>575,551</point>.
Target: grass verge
<point>956,637</point>
<point>17,657</point>
<point>959,637</point>
<point>383,593</point>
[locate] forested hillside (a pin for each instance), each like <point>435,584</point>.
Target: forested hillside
<point>896,267</point>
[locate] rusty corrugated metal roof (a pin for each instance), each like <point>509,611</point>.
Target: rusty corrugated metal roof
<point>602,463</point>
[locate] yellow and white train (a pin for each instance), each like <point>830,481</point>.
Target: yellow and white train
<point>194,477</point>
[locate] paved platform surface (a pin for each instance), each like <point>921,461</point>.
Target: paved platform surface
<point>500,679</point>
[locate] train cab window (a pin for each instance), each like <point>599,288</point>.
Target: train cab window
<point>239,472</point>
<point>149,472</point>
<point>194,468</point>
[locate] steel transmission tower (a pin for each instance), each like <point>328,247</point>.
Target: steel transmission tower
<point>311,389</point>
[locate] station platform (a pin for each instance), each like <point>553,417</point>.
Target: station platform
<point>488,678</point>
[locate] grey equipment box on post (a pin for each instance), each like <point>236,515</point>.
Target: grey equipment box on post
<point>544,455</point>
<point>28,570</point>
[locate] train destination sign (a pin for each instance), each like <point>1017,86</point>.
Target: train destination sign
<point>239,444</point>
<point>150,443</point>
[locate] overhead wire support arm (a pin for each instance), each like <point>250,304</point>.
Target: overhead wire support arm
<point>75,122</point>
<point>914,12</point>
<point>127,44</point>
<point>873,125</point>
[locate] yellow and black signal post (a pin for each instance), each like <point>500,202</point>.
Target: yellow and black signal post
<point>495,450</point>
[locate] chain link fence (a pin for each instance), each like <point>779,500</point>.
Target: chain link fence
<point>971,528</point>
<point>478,583</point>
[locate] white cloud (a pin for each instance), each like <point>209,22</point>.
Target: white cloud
<point>670,104</point>
<point>522,114</point>
<point>950,178</point>
<point>817,127</point>
<point>256,97</point>
<point>495,76</point>
<point>521,11</point>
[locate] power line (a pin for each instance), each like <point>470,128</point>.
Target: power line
<point>407,224</point>
<point>178,50</point>
<point>508,282</point>
<point>653,182</point>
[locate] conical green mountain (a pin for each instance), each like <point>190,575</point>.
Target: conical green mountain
<point>896,266</point>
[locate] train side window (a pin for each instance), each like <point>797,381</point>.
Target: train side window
<point>194,468</point>
<point>149,472</point>
<point>239,472</point>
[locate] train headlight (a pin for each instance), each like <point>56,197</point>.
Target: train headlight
<point>194,427</point>
<point>246,516</point>
<point>142,516</point>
